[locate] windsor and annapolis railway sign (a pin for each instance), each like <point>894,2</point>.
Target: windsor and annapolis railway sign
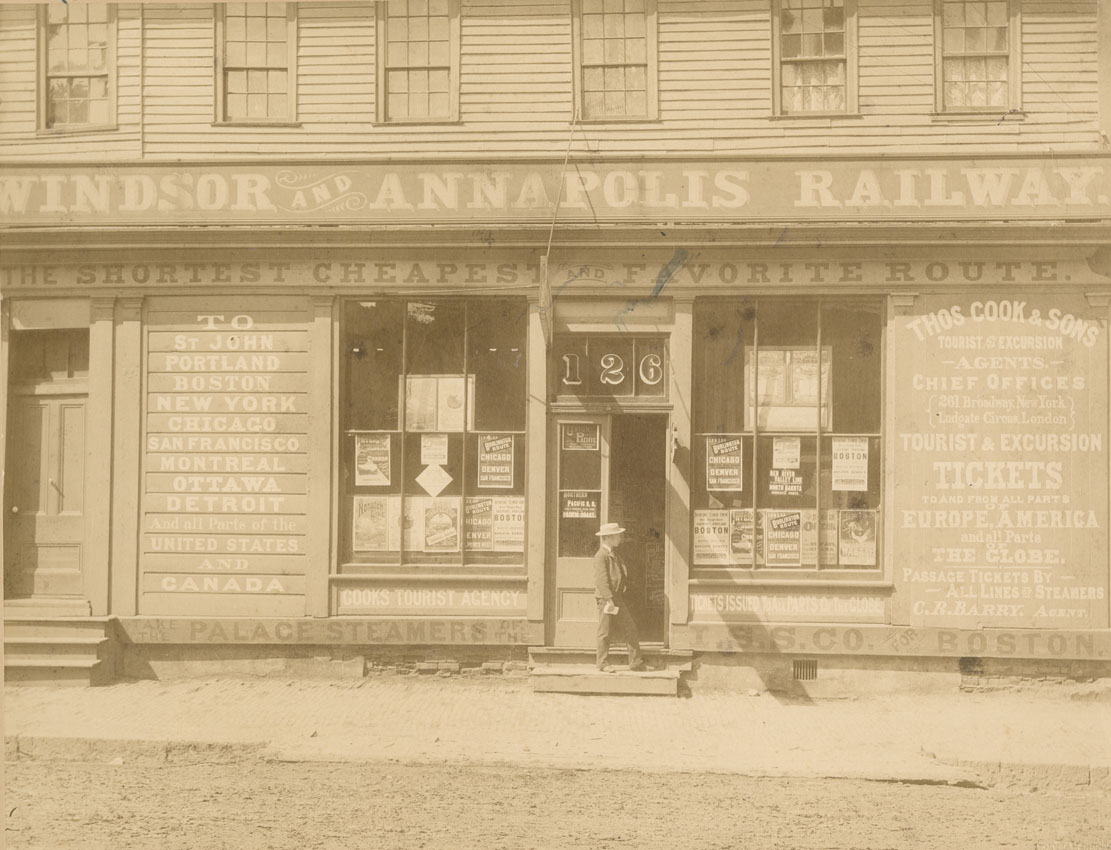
<point>1058,187</point>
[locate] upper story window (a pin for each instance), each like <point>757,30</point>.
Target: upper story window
<point>78,89</point>
<point>816,56</point>
<point>419,60</point>
<point>977,55</point>
<point>616,58</point>
<point>257,53</point>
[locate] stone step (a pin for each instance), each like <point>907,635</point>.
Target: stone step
<point>68,646</point>
<point>53,672</point>
<point>585,679</point>
<point>53,627</point>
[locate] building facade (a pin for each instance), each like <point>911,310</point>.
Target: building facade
<point>344,325</point>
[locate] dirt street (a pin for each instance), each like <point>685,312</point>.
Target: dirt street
<point>388,806</point>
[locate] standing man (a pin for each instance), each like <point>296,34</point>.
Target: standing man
<point>610,582</point>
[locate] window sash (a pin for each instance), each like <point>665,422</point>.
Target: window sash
<point>649,67</point>
<point>1012,55</point>
<point>847,57</point>
<point>225,98</point>
<point>386,66</point>
<point>46,106</point>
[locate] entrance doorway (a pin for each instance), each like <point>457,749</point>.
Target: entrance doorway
<point>44,492</point>
<point>610,468</point>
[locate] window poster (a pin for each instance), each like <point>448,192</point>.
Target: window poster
<point>509,523</point>
<point>580,437</point>
<point>858,538</point>
<point>412,525</point>
<point>433,449</point>
<point>724,463</point>
<point>441,525</point>
<point>782,538</point>
<point>579,504</point>
<point>478,524</point>
<point>495,460</point>
<point>376,524</point>
<point>741,537</point>
<point>772,368</point>
<point>789,387</point>
<point>808,537</point>
<point>784,478</point>
<point>786,452</point>
<point>827,536</point>
<point>372,460</point>
<point>804,376</point>
<point>850,463</point>
<point>438,402</point>
<point>711,538</point>
<point>450,401</point>
<point>420,402</point>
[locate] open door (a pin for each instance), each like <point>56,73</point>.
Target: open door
<point>609,468</point>
<point>582,467</point>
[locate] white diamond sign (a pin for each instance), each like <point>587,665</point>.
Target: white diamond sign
<point>434,479</point>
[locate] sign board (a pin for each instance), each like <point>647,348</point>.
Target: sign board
<point>226,455</point>
<point>1000,444</point>
<point>485,194</point>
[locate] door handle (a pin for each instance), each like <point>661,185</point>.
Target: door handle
<point>15,509</point>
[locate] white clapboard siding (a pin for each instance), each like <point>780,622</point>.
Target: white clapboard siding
<point>516,83</point>
<point>20,138</point>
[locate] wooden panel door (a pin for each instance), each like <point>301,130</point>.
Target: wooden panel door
<point>44,496</point>
<point>582,470</point>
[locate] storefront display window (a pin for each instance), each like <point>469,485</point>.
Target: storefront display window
<point>433,442</point>
<point>787,450</point>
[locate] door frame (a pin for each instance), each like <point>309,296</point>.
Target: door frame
<point>602,415</point>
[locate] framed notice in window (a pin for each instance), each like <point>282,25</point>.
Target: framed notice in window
<point>789,387</point>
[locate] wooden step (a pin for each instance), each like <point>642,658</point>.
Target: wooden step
<point>657,657</point>
<point>586,679</point>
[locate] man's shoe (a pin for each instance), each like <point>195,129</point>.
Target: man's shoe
<point>607,668</point>
<point>639,668</point>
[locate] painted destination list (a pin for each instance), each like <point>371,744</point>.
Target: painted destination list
<point>226,455</point>
<point>1001,462</point>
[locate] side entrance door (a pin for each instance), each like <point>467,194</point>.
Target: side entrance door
<point>44,493</point>
<point>608,468</point>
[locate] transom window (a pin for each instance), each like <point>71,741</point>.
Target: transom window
<point>78,81</point>
<point>421,65</point>
<point>617,58</point>
<point>258,41</point>
<point>975,61</point>
<point>815,59</point>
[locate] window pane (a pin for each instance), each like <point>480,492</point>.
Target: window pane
<point>496,332</point>
<point>435,338</point>
<point>372,350</point>
<point>854,334</point>
<point>722,330</point>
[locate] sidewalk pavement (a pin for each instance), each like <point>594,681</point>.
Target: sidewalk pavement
<point>1031,740</point>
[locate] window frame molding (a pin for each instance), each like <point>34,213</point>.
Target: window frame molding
<point>1014,67</point>
<point>381,85</point>
<point>42,93</point>
<point>219,118</point>
<point>852,51</point>
<point>652,71</point>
